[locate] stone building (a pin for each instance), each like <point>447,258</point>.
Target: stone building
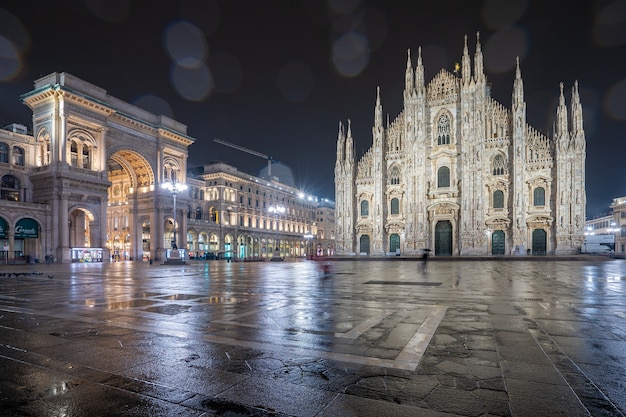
<point>86,185</point>
<point>461,174</point>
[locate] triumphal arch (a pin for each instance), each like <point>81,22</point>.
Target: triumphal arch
<point>99,165</point>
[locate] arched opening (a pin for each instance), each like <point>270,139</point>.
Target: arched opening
<point>443,238</point>
<point>364,244</point>
<point>394,243</point>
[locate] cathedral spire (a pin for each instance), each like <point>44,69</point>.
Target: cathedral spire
<point>340,143</point>
<point>349,144</point>
<point>419,72</point>
<point>408,78</point>
<point>378,113</point>
<point>577,110</point>
<point>465,65</point>
<point>561,116</point>
<point>518,87</point>
<point>479,73</point>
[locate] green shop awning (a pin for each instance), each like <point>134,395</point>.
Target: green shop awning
<point>4,228</point>
<point>27,228</point>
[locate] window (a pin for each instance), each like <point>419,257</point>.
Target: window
<point>86,158</point>
<point>539,197</point>
<point>394,175</point>
<point>10,188</point>
<point>198,213</point>
<point>498,199</point>
<point>365,208</point>
<point>498,165</point>
<point>18,156</point>
<point>395,206</point>
<point>443,131</point>
<point>74,154</point>
<point>443,177</point>
<point>4,152</point>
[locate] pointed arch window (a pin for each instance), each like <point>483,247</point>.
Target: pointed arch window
<point>498,165</point>
<point>18,156</point>
<point>4,152</point>
<point>365,208</point>
<point>443,130</point>
<point>443,177</point>
<point>498,199</point>
<point>394,175</point>
<point>539,197</point>
<point>395,206</point>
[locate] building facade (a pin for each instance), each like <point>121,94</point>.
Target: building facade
<point>460,174</point>
<point>236,215</point>
<point>87,185</point>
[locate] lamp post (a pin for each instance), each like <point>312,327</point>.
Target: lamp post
<point>276,210</point>
<point>308,238</point>
<point>174,187</point>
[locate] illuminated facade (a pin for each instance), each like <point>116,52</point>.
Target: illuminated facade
<point>86,186</point>
<point>460,174</point>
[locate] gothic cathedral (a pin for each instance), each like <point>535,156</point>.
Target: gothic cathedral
<point>458,173</point>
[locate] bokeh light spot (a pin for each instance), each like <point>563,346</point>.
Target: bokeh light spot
<point>186,44</point>
<point>227,73</point>
<point>154,105</point>
<point>194,84</point>
<point>615,100</point>
<point>343,6</point>
<point>498,14</point>
<point>503,47</point>
<point>350,54</point>
<point>10,61</point>
<point>114,11</point>
<point>295,81</point>
<point>609,28</point>
<point>11,27</point>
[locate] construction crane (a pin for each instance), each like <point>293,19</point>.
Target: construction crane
<point>270,160</point>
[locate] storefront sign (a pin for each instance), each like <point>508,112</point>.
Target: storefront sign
<point>27,228</point>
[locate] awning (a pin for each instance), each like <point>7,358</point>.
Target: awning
<point>27,228</point>
<point>4,228</point>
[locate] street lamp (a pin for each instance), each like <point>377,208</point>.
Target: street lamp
<point>174,187</point>
<point>308,238</point>
<point>276,210</point>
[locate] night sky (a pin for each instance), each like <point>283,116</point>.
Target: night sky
<point>277,77</point>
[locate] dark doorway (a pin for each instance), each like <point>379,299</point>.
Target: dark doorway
<point>443,238</point>
<point>539,242</point>
<point>364,244</point>
<point>497,243</point>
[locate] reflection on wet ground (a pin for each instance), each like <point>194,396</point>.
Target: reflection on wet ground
<point>367,338</point>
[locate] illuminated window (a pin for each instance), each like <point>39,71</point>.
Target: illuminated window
<point>10,188</point>
<point>86,157</point>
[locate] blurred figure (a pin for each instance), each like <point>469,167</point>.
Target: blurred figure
<point>325,269</point>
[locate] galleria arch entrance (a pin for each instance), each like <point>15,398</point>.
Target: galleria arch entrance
<point>130,195</point>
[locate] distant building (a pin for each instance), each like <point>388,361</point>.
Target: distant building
<point>619,223</point>
<point>325,221</point>
<point>461,174</point>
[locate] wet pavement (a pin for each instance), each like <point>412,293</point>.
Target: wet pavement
<point>375,338</point>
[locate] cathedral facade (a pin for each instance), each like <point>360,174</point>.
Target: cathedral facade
<point>458,173</point>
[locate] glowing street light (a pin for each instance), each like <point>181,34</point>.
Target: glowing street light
<point>276,210</point>
<point>308,238</point>
<point>174,187</point>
